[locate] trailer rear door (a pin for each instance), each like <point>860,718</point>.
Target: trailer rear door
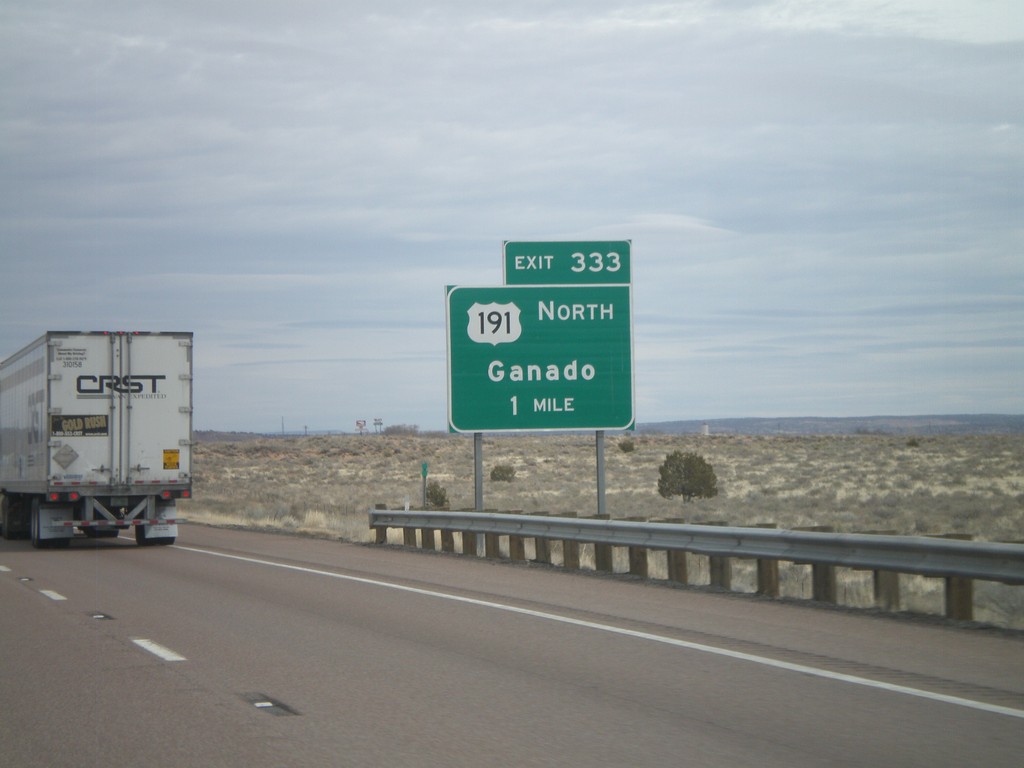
<point>121,409</point>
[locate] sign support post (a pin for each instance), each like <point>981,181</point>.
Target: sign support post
<point>423,473</point>
<point>478,471</point>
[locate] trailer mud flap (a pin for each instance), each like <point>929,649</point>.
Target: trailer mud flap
<point>155,533</point>
<point>161,530</point>
<point>51,523</point>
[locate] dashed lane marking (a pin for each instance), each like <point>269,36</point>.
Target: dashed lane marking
<point>158,650</point>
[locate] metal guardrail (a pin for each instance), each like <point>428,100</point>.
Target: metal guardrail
<point>956,561</point>
<point>902,554</point>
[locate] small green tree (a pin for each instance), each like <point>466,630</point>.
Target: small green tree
<point>687,475</point>
<point>627,445</point>
<point>504,473</point>
<point>437,496</point>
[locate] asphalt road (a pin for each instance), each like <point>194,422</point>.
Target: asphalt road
<point>243,649</point>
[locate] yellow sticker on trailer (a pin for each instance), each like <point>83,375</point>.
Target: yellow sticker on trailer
<point>172,458</point>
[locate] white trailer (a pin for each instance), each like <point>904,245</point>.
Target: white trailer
<point>96,436</point>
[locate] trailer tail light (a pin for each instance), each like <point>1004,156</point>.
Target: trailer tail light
<point>168,494</point>
<point>59,496</point>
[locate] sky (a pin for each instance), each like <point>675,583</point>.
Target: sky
<point>825,198</point>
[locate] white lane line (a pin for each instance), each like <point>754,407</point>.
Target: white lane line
<point>52,595</point>
<point>158,650</point>
<point>762,660</point>
<point>4,569</point>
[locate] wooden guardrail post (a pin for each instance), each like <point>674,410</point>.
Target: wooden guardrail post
<point>468,540</point>
<point>570,549</point>
<point>959,590</point>
<point>447,541</point>
<point>886,589</point>
<point>676,558</point>
<point>719,568</point>
<point>638,555</point>
<point>427,538</point>
<point>823,577</point>
<point>959,598</point>
<point>380,532</point>
<point>885,585</point>
<point>603,552</point>
<point>720,572</point>
<point>677,570</point>
<point>492,544</point>
<point>638,561</point>
<point>516,548</point>
<point>516,544</point>
<point>541,546</point>
<point>767,572</point>
<point>409,537</point>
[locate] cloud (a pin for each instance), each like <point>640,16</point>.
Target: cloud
<point>986,21</point>
<point>812,189</point>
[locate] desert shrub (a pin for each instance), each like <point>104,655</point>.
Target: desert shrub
<point>687,475</point>
<point>402,429</point>
<point>627,445</point>
<point>503,473</point>
<point>437,496</point>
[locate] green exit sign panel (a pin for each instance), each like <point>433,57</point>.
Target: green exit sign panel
<point>567,263</point>
<point>525,358</point>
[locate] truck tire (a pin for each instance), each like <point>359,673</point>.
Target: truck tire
<point>12,518</point>
<point>37,542</point>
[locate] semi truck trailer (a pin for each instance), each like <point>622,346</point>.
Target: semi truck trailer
<point>96,436</point>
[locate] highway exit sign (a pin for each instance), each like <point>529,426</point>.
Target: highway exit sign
<point>567,263</point>
<point>540,357</point>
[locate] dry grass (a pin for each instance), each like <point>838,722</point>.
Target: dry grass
<point>934,485</point>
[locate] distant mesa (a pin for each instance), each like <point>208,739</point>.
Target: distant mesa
<point>967,424</point>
